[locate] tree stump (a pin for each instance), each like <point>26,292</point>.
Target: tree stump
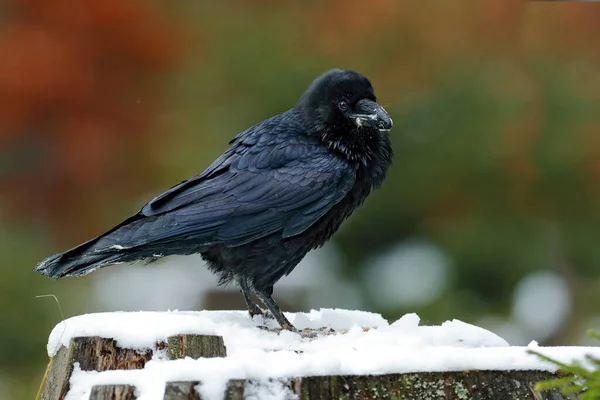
<point>99,354</point>
<point>463,385</point>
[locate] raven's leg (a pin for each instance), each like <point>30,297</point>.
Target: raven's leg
<point>267,300</point>
<point>253,309</point>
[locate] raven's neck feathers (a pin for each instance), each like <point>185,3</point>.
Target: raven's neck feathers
<point>368,151</point>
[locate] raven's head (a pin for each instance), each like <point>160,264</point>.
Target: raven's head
<point>340,106</point>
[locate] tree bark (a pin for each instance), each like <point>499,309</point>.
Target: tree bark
<point>93,354</point>
<point>187,390</point>
<point>100,354</point>
<point>113,392</point>
<point>180,390</point>
<point>195,346</point>
<point>462,385</point>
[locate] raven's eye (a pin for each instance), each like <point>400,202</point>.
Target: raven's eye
<point>343,105</point>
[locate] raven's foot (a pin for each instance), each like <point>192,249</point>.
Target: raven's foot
<point>255,310</point>
<point>268,301</point>
<point>289,327</point>
<point>259,312</point>
<point>263,327</point>
<point>306,333</point>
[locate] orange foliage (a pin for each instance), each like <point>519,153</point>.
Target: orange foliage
<point>441,27</point>
<point>76,80</point>
<point>569,27</point>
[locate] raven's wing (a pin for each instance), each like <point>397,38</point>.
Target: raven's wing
<point>251,192</point>
<point>252,141</point>
<point>272,179</point>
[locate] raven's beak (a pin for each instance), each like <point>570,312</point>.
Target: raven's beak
<point>371,115</point>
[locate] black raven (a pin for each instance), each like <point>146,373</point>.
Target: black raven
<point>282,188</point>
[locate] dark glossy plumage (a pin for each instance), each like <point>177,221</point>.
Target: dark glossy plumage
<point>282,188</point>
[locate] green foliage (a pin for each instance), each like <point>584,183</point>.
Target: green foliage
<point>579,379</point>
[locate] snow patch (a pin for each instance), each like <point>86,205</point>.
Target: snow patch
<point>365,343</point>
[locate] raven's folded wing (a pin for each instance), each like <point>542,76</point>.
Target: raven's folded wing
<point>249,200</point>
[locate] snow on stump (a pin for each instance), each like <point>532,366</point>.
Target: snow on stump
<point>224,355</point>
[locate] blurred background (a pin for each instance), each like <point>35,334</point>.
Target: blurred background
<point>490,214</point>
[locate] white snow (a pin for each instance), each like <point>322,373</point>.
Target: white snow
<point>400,347</point>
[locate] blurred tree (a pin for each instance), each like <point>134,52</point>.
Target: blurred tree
<point>78,89</point>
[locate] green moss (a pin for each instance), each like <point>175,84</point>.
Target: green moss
<point>461,391</point>
<point>412,386</point>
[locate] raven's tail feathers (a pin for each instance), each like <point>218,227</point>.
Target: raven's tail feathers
<point>77,263</point>
<point>89,256</point>
<point>128,242</point>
